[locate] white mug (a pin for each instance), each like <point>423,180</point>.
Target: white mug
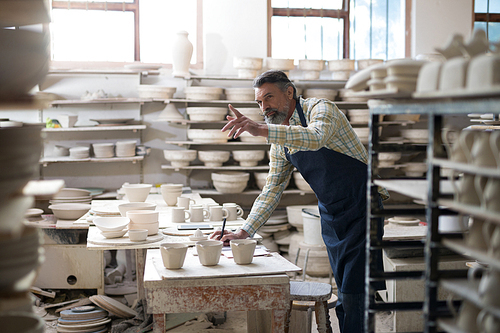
<point>179,214</point>
<point>481,153</point>
<point>217,213</point>
<point>198,213</point>
<point>234,211</point>
<point>184,202</point>
<point>466,192</point>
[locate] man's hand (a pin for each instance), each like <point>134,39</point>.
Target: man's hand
<point>240,234</point>
<point>240,124</point>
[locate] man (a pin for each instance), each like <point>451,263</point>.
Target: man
<point>314,137</point>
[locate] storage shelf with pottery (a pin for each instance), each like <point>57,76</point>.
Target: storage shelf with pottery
<point>225,167</point>
<point>416,189</point>
<point>231,143</point>
<point>469,168</point>
<point>249,192</point>
<point>49,160</point>
<point>461,247</point>
<point>100,101</point>
<point>471,210</point>
<point>133,128</point>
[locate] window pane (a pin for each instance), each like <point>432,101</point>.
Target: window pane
<point>92,35</point>
<point>494,6</point>
<point>494,31</point>
<point>158,29</point>
<point>317,4</point>
<point>481,6</point>
<point>307,38</point>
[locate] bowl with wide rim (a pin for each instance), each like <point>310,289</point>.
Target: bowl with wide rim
<point>69,211</point>
<point>111,223</point>
<point>125,207</point>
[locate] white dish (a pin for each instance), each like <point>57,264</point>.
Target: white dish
<point>110,121</point>
<point>108,224</point>
<point>114,234</point>
<point>125,207</point>
<point>32,212</point>
<point>404,221</point>
<point>69,211</point>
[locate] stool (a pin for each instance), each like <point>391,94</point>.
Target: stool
<point>312,292</point>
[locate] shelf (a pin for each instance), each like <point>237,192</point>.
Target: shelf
<point>470,210</point>
<point>218,101</point>
<point>230,143</point>
<point>52,160</point>
<point>235,78</point>
<point>467,168</point>
<point>414,188</point>
<point>222,168</point>
<point>101,71</point>
<point>100,101</point>
<point>461,247</point>
<point>248,192</point>
<point>133,128</point>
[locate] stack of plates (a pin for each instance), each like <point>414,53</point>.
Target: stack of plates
<point>83,319</point>
<point>79,152</point>
<point>104,150</point>
<point>114,307</point>
<point>404,221</point>
<point>125,148</point>
<point>72,195</point>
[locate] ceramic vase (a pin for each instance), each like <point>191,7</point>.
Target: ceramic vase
<point>182,52</point>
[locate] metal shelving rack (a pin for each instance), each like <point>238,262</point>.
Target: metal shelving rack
<point>434,191</point>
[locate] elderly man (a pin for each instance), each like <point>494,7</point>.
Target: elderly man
<point>314,137</point>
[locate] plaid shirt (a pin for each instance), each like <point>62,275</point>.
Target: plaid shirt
<point>326,127</point>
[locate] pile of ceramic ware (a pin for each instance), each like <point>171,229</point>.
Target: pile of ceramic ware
<point>83,319</point>
<point>144,219</point>
<point>329,94</point>
<point>118,309</point>
<point>248,67</point>
<point>284,65</point>
<point>203,93</point>
<point>181,157</point>
<point>311,69</point>
<point>158,92</point>
<point>79,152</point>
<point>341,69</point>
<point>104,150</point>
<point>248,158</point>
<point>230,181</point>
<point>276,233</point>
<point>72,195</point>
<point>213,158</point>
<point>125,148</point>
<point>206,113</point>
<point>113,226</point>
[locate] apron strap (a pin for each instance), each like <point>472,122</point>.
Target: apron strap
<point>301,113</point>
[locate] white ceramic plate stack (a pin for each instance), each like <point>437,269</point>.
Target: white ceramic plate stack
<point>341,69</point>
<point>144,219</point>
<point>402,75</point>
<point>83,319</point>
<point>104,150</point>
<point>213,158</point>
<point>158,92</point>
<point>19,258</point>
<point>311,68</point>
<point>206,113</point>
<point>207,135</point>
<point>254,114</point>
<point>248,158</point>
<point>247,67</point>
<point>113,226</point>
<point>284,65</point>
<point>301,183</point>
<point>230,181</point>
<point>203,93</point>
<point>125,148</point>
<point>79,152</point>
<point>181,157</point>
<point>240,94</point>
<point>72,195</point>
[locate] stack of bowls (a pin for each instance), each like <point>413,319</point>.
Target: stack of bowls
<point>170,193</point>
<point>144,219</point>
<point>284,65</point>
<point>203,93</point>
<point>206,113</point>
<point>240,94</point>
<point>79,152</point>
<point>159,92</point>
<point>180,158</point>
<point>125,148</point>
<point>72,195</point>
<point>402,74</point>
<point>254,114</point>
<point>207,135</point>
<point>104,150</point>
<point>137,192</point>
<point>230,181</point>
<point>213,158</point>
<point>329,94</point>
<point>341,69</point>
<point>125,207</point>
<point>69,211</point>
<point>247,67</point>
<point>311,68</point>
<point>112,227</point>
<point>248,158</point>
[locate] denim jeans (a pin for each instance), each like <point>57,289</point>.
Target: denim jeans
<point>350,312</point>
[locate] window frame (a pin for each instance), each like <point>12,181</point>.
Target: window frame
<point>125,6</point>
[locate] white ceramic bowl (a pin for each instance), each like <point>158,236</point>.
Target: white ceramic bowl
<point>169,187</point>
<point>203,93</point>
<point>69,192</point>
<point>329,94</point>
<point>248,158</point>
<point>254,114</point>
<point>240,94</point>
<point>206,113</point>
<point>213,158</point>
<point>294,215</point>
<point>341,65</point>
<point>207,135</point>
<point>311,65</point>
<point>280,64</point>
<point>365,63</point>
<point>180,157</point>
<point>260,179</point>
<point>114,234</point>
<point>138,235</point>
<point>230,181</point>
<point>152,228</point>
<point>301,183</point>
<point>341,75</point>
<point>247,137</point>
<point>69,211</point>
<point>143,216</point>
<point>136,192</point>
<point>111,223</point>
<point>247,63</point>
<point>152,91</point>
<point>125,207</point>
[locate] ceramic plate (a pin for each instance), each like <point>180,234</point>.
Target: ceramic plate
<point>113,121</point>
<point>33,212</point>
<point>142,67</point>
<point>408,222</point>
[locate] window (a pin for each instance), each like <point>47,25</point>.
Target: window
<point>123,31</point>
<point>321,29</point>
<point>487,18</point>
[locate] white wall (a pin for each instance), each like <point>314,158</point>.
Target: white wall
<point>433,21</point>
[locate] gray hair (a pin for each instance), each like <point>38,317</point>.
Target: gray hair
<point>276,77</point>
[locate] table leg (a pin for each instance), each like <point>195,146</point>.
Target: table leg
<point>158,323</point>
<point>140,264</point>
<point>278,321</point>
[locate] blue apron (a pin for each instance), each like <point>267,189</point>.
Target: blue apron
<point>339,182</point>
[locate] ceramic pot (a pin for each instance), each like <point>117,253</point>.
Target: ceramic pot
<point>181,56</point>
<point>243,250</point>
<point>209,252</point>
<point>173,255</point>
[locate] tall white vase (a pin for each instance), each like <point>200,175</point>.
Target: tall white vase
<point>182,52</point>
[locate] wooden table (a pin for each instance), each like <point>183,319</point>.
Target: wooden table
<point>262,285</point>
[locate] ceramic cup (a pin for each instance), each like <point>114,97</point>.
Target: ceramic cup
<point>475,239</point>
<point>217,213</point>
<point>465,190</point>
<point>481,153</point>
<point>495,146</point>
<point>243,250</point>
<point>491,195</point>
<point>173,255</point>
<point>488,323</point>
<point>170,193</point>
<point>234,211</point>
<point>209,251</point>
<point>198,213</point>
<point>179,214</point>
<point>138,235</point>
<point>184,202</point>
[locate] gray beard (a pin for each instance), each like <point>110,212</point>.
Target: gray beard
<point>278,117</point>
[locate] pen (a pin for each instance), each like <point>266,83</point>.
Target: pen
<point>223,226</point>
